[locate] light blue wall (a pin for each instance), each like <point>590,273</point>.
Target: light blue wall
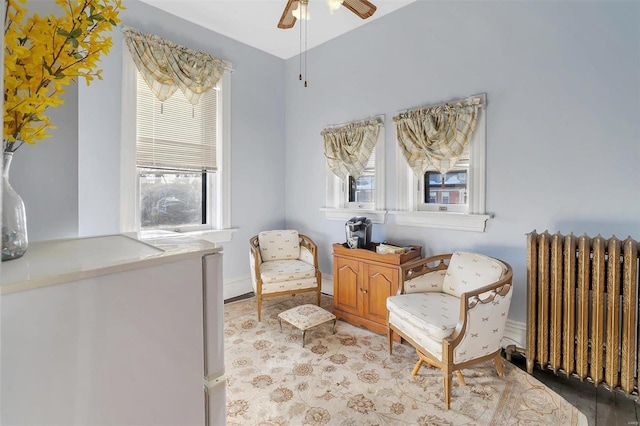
<point>563,117</point>
<point>257,134</point>
<point>563,134</point>
<point>46,175</point>
<point>71,182</point>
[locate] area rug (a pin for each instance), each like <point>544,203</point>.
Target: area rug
<point>349,378</point>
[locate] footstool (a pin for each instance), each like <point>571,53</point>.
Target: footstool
<point>306,316</point>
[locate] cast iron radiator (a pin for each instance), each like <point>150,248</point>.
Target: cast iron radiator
<point>582,309</point>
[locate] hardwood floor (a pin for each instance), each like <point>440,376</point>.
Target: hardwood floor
<point>601,406</point>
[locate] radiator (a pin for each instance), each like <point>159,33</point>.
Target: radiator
<point>582,308</point>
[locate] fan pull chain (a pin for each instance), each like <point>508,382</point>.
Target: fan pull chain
<point>303,17</point>
<point>300,46</point>
<point>306,39</point>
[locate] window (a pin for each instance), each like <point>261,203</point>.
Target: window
<point>445,192</point>
<point>175,158</point>
<point>364,196</point>
<point>455,200</point>
<point>362,191</point>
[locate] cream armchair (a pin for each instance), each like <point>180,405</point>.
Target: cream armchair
<point>454,312</point>
<point>283,262</point>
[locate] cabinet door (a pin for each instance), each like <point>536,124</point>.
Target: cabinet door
<point>382,283</point>
<point>348,283</point>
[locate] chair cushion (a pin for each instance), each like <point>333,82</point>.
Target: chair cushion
<point>469,271</point>
<point>435,314</point>
<point>297,285</point>
<point>285,270</point>
<point>279,245</point>
<point>306,316</point>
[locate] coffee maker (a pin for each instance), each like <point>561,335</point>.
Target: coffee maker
<point>358,230</point>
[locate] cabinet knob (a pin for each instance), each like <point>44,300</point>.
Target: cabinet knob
<point>364,291</point>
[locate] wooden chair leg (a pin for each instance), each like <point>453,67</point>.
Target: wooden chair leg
<point>259,299</point>
<point>460,378</point>
<point>417,367</point>
<point>446,379</point>
<point>319,294</point>
<point>499,367</point>
<point>390,339</point>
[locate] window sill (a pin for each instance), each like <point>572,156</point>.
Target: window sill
<point>376,216</point>
<point>214,235</point>
<point>442,220</point>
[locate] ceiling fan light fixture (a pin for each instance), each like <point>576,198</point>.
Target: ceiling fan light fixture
<point>334,5</point>
<point>301,11</point>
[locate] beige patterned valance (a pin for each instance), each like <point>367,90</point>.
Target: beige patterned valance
<point>436,135</point>
<point>167,66</point>
<point>349,146</point>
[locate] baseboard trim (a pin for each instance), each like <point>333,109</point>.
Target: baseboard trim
<point>515,333</point>
<point>235,287</point>
<point>327,284</point>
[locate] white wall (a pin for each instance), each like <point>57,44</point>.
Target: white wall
<point>563,133</point>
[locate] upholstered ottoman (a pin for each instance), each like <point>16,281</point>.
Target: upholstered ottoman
<point>305,317</point>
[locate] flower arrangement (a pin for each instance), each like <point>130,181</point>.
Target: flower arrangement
<point>43,55</point>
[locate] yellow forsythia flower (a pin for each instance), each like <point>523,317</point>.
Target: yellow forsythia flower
<point>43,55</point>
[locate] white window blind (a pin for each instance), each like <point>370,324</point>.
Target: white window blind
<point>371,163</point>
<point>176,134</point>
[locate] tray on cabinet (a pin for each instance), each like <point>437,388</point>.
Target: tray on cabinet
<point>370,254</point>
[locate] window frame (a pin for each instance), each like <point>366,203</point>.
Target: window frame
<point>338,206</point>
<point>219,182</point>
<point>473,218</point>
<point>440,207</point>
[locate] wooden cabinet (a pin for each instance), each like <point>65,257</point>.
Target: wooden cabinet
<point>362,281</point>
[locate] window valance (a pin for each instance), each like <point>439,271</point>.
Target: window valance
<point>436,135</point>
<point>167,66</point>
<point>349,146</point>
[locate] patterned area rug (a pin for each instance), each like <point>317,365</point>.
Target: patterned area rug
<point>348,378</point>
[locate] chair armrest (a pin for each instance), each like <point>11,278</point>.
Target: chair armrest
<point>254,247</point>
<point>308,243</point>
<point>425,283</point>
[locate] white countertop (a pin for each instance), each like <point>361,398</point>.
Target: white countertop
<point>57,261</point>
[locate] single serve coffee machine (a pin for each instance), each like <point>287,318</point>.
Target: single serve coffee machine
<point>358,230</point>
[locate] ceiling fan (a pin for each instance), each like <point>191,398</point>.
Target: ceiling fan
<point>362,8</point>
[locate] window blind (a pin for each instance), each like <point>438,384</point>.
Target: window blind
<point>175,134</point>
<point>371,163</point>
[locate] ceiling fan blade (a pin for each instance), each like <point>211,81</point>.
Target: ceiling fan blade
<point>288,20</point>
<point>362,8</point>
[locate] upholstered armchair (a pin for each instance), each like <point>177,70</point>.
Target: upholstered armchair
<point>453,310</point>
<point>283,262</point>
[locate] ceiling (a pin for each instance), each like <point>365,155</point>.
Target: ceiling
<point>254,22</point>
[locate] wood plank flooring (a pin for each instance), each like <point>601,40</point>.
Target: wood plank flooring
<point>601,406</point>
